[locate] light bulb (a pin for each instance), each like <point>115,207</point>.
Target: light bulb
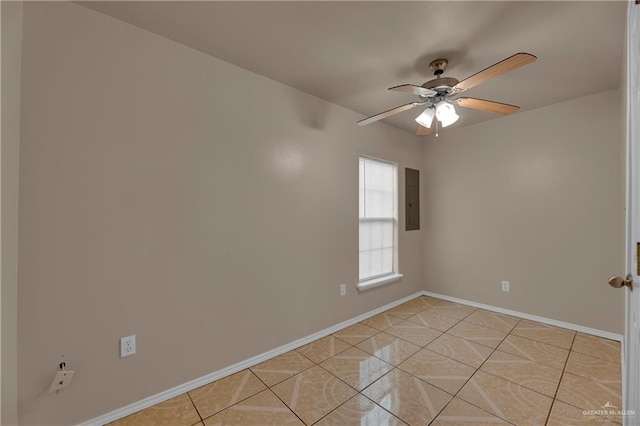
<point>426,118</point>
<point>446,114</point>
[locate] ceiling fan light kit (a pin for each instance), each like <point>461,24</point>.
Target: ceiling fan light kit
<point>446,113</point>
<point>441,93</point>
<point>443,111</point>
<point>426,118</point>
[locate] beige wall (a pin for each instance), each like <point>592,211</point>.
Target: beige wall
<point>208,210</point>
<point>213,213</point>
<point>11,54</point>
<point>535,199</point>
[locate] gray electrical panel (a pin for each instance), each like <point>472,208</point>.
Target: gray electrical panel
<point>412,199</point>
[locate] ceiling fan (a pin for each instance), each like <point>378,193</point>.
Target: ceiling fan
<point>441,94</point>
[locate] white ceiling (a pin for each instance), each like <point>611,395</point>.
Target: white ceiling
<point>349,53</point>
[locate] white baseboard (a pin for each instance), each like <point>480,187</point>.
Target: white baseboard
<point>549,321</point>
<point>217,375</point>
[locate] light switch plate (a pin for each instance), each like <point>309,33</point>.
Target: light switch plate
<point>61,381</point>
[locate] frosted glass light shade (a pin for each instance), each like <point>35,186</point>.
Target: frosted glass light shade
<point>446,114</point>
<point>426,118</point>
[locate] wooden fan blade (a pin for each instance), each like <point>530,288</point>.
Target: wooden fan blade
<point>511,63</point>
<point>423,131</point>
<point>489,106</point>
<point>412,88</point>
<point>388,113</point>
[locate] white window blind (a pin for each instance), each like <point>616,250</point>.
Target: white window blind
<point>377,218</point>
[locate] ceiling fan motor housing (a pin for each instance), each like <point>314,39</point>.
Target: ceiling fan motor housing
<point>442,84</point>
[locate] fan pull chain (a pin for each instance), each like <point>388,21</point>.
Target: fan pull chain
<point>436,128</point>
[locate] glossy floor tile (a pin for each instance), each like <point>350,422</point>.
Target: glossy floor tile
<point>356,367</point>
<point>358,411</point>
<point>478,334</point>
<point>544,333</point>
<point>529,374</point>
<point>281,367</point>
<point>434,319</point>
<point>465,351</point>
<point>389,348</point>
<point>453,310</point>
<point>178,411</point>
<point>422,302</point>
<point>223,393</point>
<point>597,347</point>
<point>415,333</point>
<point>588,394</point>
<point>313,393</point>
<point>263,408</point>
<point>414,401</point>
<point>493,320</point>
<point>424,362</point>
<point>323,349</point>
<point>507,400</point>
<point>535,351</point>
<point>459,412</point>
<point>356,333</point>
<point>381,321</point>
<point>593,368</point>
<point>439,370</point>
<point>404,311</point>
<point>564,414</point>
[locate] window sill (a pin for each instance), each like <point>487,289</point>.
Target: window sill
<point>377,282</point>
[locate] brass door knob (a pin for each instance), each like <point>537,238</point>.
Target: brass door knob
<point>618,282</point>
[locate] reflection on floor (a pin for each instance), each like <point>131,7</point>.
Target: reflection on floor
<point>427,361</point>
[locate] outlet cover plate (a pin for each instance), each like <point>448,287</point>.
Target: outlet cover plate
<point>505,285</point>
<point>127,346</point>
<point>343,289</point>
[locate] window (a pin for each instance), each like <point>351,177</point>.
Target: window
<point>377,222</point>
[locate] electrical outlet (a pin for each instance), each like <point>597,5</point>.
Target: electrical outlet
<point>343,289</point>
<point>61,381</point>
<point>127,346</point>
<point>505,285</point>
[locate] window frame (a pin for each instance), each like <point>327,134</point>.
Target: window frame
<point>385,277</point>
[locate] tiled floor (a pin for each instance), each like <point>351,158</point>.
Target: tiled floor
<point>427,361</point>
